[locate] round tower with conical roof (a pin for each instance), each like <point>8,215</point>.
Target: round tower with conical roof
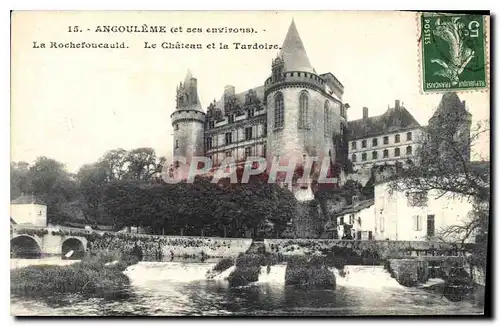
<point>304,108</point>
<point>188,120</point>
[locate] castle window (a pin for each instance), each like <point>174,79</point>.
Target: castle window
<point>374,142</point>
<point>279,111</point>
<point>264,133</point>
<point>248,133</point>
<point>397,152</point>
<point>363,143</point>
<point>353,158</point>
<point>386,140</point>
<point>176,143</point>
<point>386,153</point>
<point>327,119</point>
<point>211,124</point>
<point>230,118</point>
<point>303,111</point>
<point>209,142</point>
<point>251,113</point>
<point>374,155</point>
<point>229,154</point>
<point>353,145</point>
<point>409,150</point>
<point>363,157</point>
<point>396,138</point>
<point>229,138</point>
<point>248,152</point>
<point>264,150</point>
<point>176,126</point>
<point>408,136</point>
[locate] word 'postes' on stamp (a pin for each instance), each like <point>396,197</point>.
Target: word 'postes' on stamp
<point>453,52</point>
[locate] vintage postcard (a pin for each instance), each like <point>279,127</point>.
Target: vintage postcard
<point>184,163</point>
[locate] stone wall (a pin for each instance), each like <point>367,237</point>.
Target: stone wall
<point>384,249</point>
<point>157,246</point>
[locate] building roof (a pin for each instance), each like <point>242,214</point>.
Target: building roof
<point>26,200</point>
<point>294,53</point>
<point>356,207</point>
<point>450,103</point>
<point>394,119</point>
<point>241,97</point>
<point>192,104</point>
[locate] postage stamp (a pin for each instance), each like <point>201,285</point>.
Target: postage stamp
<point>454,52</point>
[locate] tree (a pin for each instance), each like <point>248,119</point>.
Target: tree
<point>92,181</point>
<point>20,182</point>
<point>142,164</point>
<point>115,161</point>
<point>54,185</point>
<point>443,166</point>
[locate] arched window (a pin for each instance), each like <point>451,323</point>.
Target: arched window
<point>279,111</point>
<point>409,150</point>
<point>353,158</point>
<point>328,123</point>
<point>303,111</point>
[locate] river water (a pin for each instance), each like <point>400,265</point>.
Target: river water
<point>181,289</point>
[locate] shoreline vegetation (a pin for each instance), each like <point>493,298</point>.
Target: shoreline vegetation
<point>100,275</point>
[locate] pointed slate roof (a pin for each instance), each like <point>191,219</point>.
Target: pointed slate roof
<point>188,77</point>
<point>294,53</point>
<point>191,105</point>
<point>450,103</point>
<point>392,120</point>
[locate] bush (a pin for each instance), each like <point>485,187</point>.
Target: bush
<point>247,269</point>
<point>223,264</point>
<point>90,276</point>
<point>311,272</point>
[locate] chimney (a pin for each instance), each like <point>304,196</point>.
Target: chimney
<point>365,113</point>
<point>397,104</point>
<point>229,90</point>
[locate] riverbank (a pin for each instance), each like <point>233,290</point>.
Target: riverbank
<point>98,276</point>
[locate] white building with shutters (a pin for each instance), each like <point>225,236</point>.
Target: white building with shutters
<point>416,217</point>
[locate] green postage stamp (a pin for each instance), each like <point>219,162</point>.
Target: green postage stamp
<point>454,52</point>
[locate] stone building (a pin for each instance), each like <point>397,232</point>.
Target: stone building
<point>388,138</point>
<point>28,210</point>
<point>297,112</point>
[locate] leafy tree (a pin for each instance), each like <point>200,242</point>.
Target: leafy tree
<point>115,161</point>
<point>20,182</point>
<point>92,180</point>
<point>54,185</point>
<point>443,166</point>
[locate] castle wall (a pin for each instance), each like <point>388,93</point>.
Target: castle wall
<point>290,140</point>
<point>188,133</point>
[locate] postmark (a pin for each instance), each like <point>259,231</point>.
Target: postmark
<point>453,52</point>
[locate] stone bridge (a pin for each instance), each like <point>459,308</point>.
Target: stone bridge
<point>32,241</point>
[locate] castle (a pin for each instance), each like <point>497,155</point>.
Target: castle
<point>295,113</point>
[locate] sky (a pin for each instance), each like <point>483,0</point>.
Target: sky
<point>73,105</point>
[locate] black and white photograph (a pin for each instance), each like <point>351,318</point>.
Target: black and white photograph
<point>250,163</point>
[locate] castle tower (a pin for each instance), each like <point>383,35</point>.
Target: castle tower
<point>303,108</point>
<point>452,122</point>
<point>188,120</point>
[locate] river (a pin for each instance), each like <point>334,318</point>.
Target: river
<point>180,289</point>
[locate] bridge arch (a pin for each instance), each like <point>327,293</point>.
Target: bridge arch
<point>25,246</point>
<point>73,244</point>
